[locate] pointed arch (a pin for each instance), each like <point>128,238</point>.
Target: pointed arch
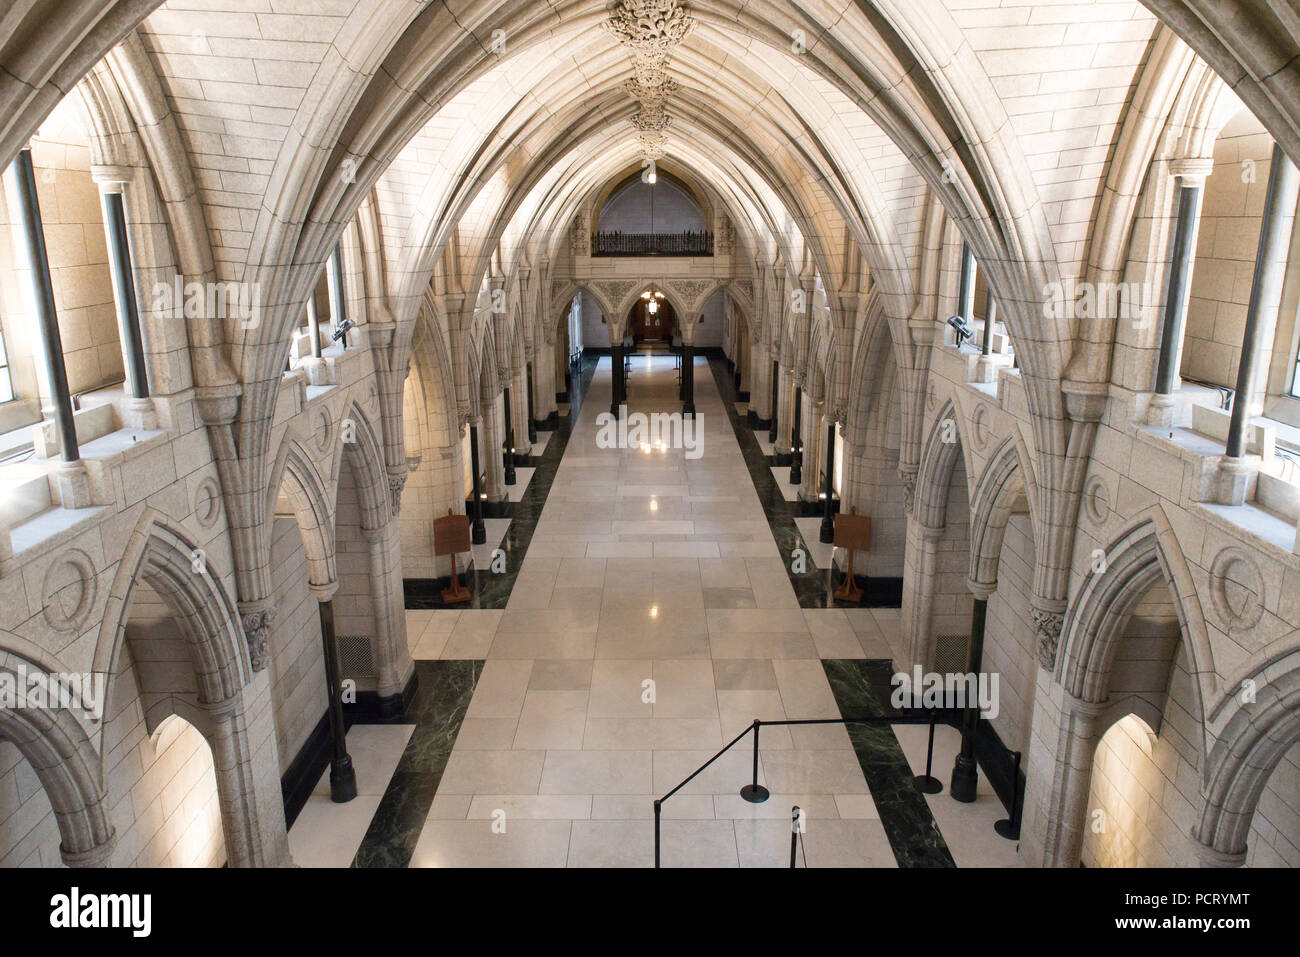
<point>59,750</point>
<point>938,461</point>
<point>1007,478</point>
<point>1254,739</point>
<point>1144,553</point>
<point>297,477</point>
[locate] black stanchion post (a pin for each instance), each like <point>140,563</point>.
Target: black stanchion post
<point>754,792</point>
<point>795,815</point>
<point>927,783</point>
<point>658,811</point>
<point>1009,827</point>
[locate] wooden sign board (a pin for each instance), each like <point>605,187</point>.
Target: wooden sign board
<point>853,532</point>
<point>451,534</point>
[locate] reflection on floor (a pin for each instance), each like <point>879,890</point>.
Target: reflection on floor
<point>652,618</point>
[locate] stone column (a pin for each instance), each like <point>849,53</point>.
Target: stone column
<point>774,402</point>
<point>343,779</point>
<point>965,771</point>
<point>1067,806</point>
<point>392,657</point>
<point>112,180</point>
<point>248,781</point>
<point>796,434</point>
<point>918,590</point>
<point>1261,317</point>
<point>966,284</point>
<point>71,479</point>
<point>1190,176</point>
<point>337,292</point>
<point>986,369</point>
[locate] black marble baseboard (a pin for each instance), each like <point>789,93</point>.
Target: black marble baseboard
<point>300,777</point>
<point>757,424</point>
<point>502,509</point>
<point>371,708</point>
<point>550,423</point>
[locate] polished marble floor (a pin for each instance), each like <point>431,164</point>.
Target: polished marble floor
<point>651,620</point>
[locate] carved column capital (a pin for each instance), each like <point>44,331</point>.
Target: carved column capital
<point>1048,624</point>
<point>256,618</point>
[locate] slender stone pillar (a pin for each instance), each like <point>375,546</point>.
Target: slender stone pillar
<point>796,438</point>
<point>391,656</point>
<point>338,297</point>
<point>965,770</point>
<point>986,367</point>
<point>1191,178</point>
<point>140,408</point>
<point>827,532</point>
<point>313,325</point>
<point>72,481</point>
<point>532,420</point>
<point>508,452</point>
<point>1261,316</point>
<point>343,779</point>
<point>1067,813</point>
<point>776,379</point>
<point>966,284</point>
<point>493,441</point>
<point>478,531</point>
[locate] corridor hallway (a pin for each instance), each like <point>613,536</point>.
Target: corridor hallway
<point>652,567</point>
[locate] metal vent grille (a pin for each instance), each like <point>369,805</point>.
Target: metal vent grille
<point>354,656</point>
<point>950,654</point>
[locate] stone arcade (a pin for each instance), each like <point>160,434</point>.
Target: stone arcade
<point>281,284</point>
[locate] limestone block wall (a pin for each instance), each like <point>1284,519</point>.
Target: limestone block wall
<point>297,664</point>
<point>709,333</point>
<point>642,208</point>
<point>1008,639</point>
<point>29,835</point>
<point>354,601</point>
<point>1146,787</point>
<point>163,788</point>
<point>1232,207</point>
<point>952,596</point>
<point>1275,832</point>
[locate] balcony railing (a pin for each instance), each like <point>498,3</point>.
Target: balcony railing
<point>617,243</point>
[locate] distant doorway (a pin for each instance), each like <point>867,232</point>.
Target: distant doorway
<point>652,321</point>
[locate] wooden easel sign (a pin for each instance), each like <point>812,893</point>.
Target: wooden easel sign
<point>852,532</point>
<point>450,537</point>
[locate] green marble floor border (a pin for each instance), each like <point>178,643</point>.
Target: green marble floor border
<point>490,589</point>
<point>861,687</point>
<point>438,710</point>
<point>814,587</point>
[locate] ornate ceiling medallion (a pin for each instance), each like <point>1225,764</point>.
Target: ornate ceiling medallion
<point>650,29</point>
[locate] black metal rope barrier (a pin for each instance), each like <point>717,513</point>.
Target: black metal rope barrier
<point>754,792</point>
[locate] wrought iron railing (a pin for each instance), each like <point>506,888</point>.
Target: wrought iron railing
<point>688,243</point>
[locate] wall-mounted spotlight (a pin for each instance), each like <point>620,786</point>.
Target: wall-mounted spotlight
<point>959,327</point>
